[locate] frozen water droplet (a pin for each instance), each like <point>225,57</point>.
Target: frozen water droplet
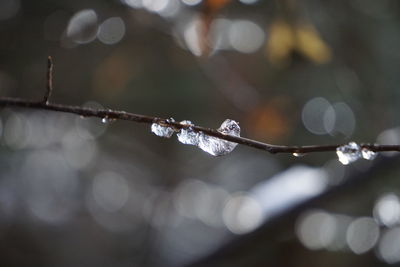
<point>187,136</point>
<point>230,127</point>
<point>216,146</point>
<point>107,119</point>
<point>162,131</point>
<point>368,154</point>
<point>298,155</point>
<point>348,153</point>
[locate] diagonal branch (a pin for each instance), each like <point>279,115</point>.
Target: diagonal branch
<point>122,115</point>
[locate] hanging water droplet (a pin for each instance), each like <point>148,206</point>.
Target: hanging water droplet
<point>216,146</point>
<point>187,136</point>
<point>298,155</point>
<point>163,131</point>
<point>348,153</point>
<point>368,154</point>
<point>107,119</point>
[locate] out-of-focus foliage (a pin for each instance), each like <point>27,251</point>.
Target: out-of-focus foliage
<point>285,39</point>
<point>79,191</point>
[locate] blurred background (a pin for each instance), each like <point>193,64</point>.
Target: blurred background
<point>81,192</point>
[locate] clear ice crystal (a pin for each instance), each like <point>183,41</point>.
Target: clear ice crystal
<point>368,154</point>
<point>163,131</point>
<point>349,153</point>
<point>216,146</point>
<point>187,136</point>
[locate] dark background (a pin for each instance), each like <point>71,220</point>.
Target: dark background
<point>78,192</point>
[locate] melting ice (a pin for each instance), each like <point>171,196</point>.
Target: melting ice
<point>162,131</point>
<point>349,153</point>
<point>212,145</point>
<point>187,136</point>
<point>216,146</point>
<point>368,154</point>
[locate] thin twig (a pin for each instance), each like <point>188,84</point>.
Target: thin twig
<point>49,84</point>
<point>122,115</point>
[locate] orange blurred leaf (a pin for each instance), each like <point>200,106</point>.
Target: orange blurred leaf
<point>215,5</point>
<point>270,121</point>
<point>112,75</point>
<point>210,8</point>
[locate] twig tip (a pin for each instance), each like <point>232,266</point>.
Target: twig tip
<point>49,87</point>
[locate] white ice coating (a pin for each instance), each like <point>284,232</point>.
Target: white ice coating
<point>187,136</point>
<point>162,131</point>
<point>368,154</point>
<point>212,145</point>
<point>349,153</point>
<point>216,146</point>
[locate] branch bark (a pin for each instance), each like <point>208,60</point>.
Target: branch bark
<point>109,114</point>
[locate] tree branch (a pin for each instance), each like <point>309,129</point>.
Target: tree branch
<point>122,115</point>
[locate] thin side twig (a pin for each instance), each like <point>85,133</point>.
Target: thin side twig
<point>49,84</point>
<point>110,114</point>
